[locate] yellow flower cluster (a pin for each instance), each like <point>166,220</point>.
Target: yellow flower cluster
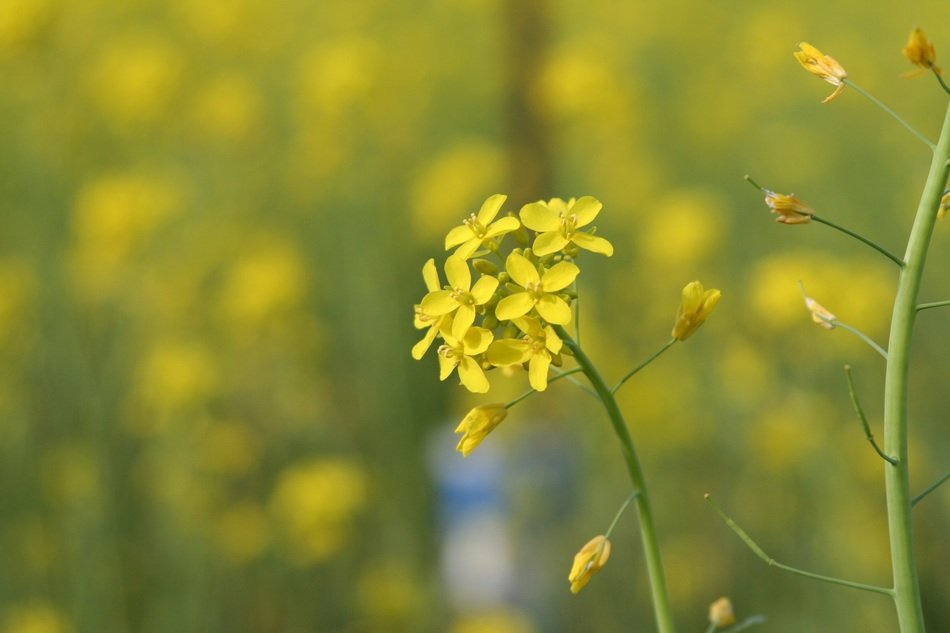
<point>505,317</point>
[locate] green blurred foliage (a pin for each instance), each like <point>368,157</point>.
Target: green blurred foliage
<point>214,217</point>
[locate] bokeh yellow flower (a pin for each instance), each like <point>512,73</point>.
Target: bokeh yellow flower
<point>721,613</point>
<point>920,52</point>
<point>588,561</point>
<point>477,424</point>
<point>822,66</point>
<point>788,208</point>
<point>697,304</point>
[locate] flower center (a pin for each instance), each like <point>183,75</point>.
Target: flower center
<point>464,297</point>
<point>453,354</point>
<point>534,289</point>
<point>568,224</point>
<point>475,226</point>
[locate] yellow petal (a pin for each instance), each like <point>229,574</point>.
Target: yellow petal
<point>438,303</point>
<point>472,376</point>
<point>537,216</point>
<point>508,351</point>
<point>505,225</point>
<point>419,349</point>
<point>552,341</point>
<point>467,249</point>
<point>464,318</point>
<point>458,274</point>
<point>430,275</point>
<point>490,208</point>
<point>456,236</point>
<point>522,271</point>
<point>477,424</point>
<point>514,306</point>
<point>548,243</point>
<point>538,371</point>
<point>586,209</point>
<point>554,309</point>
<point>588,561</point>
<point>593,243</point>
<point>476,340</point>
<point>483,289</point>
<point>559,276</point>
<point>446,366</point>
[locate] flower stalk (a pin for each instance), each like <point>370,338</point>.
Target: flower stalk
<point>897,476</point>
<point>661,600</point>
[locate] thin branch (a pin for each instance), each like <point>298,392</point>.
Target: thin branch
<point>897,118</point>
<point>630,374</point>
<point>935,304</point>
<point>773,563</point>
<point>863,418</point>
<point>633,495</point>
<point>558,376</point>
<point>880,249</point>
<point>752,620</point>
<point>861,335</point>
<point>941,80</point>
<point>929,489</point>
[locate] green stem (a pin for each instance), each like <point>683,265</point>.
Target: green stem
<point>941,80</point>
<point>880,249</point>
<point>929,489</point>
<point>878,103</point>
<point>626,503</point>
<point>712,628</point>
<point>897,477</point>
<point>861,335</point>
<point>555,378</point>
<point>863,418</point>
<point>661,600</point>
<point>774,563</point>
<point>935,304</point>
<point>630,374</point>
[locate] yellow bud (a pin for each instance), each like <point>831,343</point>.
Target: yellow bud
<point>589,561</point>
<point>477,424</point>
<point>920,51</point>
<point>819,313</point>
<point>720,613</point>
<point>697,304</point>
<point>788,208</point>
<point>944,206</point>
<point>484,266</point>
<point>822,66</point>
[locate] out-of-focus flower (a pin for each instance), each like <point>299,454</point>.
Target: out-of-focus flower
<point>788,208</point>
<point>823,66</point>
<point>944,206</point>
<point>538,290</point>
<point>589,561</point>
<point>920,52</point>
<point>697,304</point>
<point>458,352</point>
<point>476,230</point>
<point>558,222</point>
<point>37,617</point>
<point>819,313</point>
<point>23,22</point>
<point>462,298</point>
<point>477,424</point>
<point>721,614</point>
<point>537,348</point>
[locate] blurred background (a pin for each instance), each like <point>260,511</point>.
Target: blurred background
<point>214,218</point>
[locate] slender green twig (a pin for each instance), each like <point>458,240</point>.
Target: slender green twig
<point>662,608</point>
<point>752,620</point>
<point>880,249</point>
<point>577,383</point>
<point>623,507</point>
<point>867,95</point>
<point>861,335</point>
<point>863,419</point>
<point>554,378</point>
<point>633,371</point>
<point>941,80</point>
<point>774,563</point>
<point>897,479</point>
<point>935,304</point>
<point>929,489</point>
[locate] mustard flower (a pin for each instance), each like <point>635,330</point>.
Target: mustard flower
<point>422,320</point>
<point>458,353</point>
<point>477,424</point>
<point>537,348</point>
<point>588,561</point>
<point>476,230</point>
<point>823,66</point>
<point>820,314</point>
<point>537,290</point>
<point>461,297</point>
<point>557,223</point>
<point>920,52</point>
<point>721,614</point>
<point>697,304</point>
<point>788,208</point>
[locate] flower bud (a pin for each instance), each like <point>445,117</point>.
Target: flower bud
<point>721,614</point>
<point>477,424</point>
<point>697,304</point>
<point>589,561</point>
<point>484,266</point>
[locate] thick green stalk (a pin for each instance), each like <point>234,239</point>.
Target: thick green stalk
<point>896,476</point>
<point>651,547</point>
